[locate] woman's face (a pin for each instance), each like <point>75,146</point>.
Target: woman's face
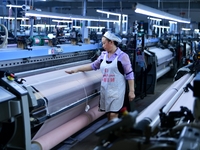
<point>107,44</point>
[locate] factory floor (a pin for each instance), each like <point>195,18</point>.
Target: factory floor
<point>87,140</point>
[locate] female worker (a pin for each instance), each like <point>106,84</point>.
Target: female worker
<point>116,68</point>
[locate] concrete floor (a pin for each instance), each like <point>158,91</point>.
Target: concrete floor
<point>87,140</point>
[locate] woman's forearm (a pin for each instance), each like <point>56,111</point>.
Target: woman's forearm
<point>131,90</point>
<point>131,86</point>
<point>84,68</point>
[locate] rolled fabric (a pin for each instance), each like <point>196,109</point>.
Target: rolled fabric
<point>54,137</point>
<point>171,102</point>
<point>185,100</point>
<point>152,111</point>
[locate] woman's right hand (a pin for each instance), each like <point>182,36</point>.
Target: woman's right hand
<point>70,71</point>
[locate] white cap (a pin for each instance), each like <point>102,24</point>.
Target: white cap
<point>111,36</point>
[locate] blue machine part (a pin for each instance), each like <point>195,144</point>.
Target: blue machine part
<point>16,53</point>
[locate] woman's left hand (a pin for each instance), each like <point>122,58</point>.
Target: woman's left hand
<point>131,95</point>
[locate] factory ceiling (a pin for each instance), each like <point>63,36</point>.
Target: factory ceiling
<point>114,4</point>
<point>181,7</point>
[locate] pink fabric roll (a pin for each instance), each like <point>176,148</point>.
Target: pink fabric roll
<point>53,138</point>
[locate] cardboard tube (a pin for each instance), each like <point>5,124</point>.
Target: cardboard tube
<point>53,138</point>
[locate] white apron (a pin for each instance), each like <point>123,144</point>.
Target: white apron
<point>112,87</point>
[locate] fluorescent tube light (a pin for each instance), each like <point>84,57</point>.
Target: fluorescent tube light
<point>174,22</point>
<point>121,18</point>
<point>64,21</point>
<point>47,25</point>
<point>156,19</point>
<point>158,26</point>
<point>78,27</point>
<point>94,27</point>
<point>43,25</point>
<point>145,10</point>
<point>110,13</point>
<point>25,25</point>
<point>34,13</point>
<point>12,18</point>
<point>90,27</point>
<point>186,29</point>
<point>16,6</point>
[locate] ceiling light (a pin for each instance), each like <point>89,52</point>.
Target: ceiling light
<point>124,17</point>
<point>158,26</point>
<point>110,13</point>
<point>34,13</point>
<point>16,6</point>
<point>12,18</point>
<point>90,27</point>
<point>174,22</point>
<point>78,27</point>
<point>64,21</point>
<point>95,27</point>
<point>43,25</point>
<point>156,19</point>
<point>186,29</point>
<point>145,10</point>
<point>121,18</point>
<point>47,25</point>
